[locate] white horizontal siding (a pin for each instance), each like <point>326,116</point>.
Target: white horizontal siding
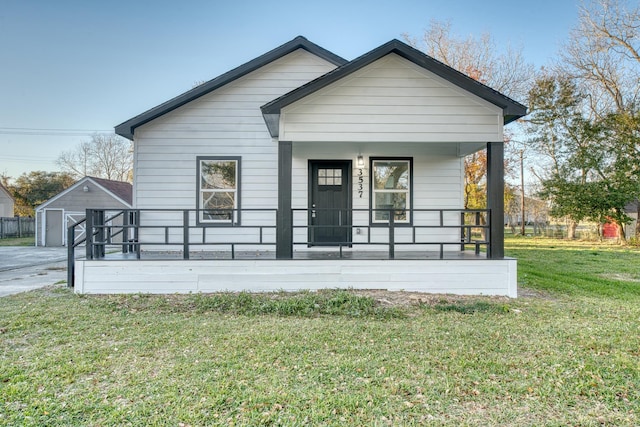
<point>381,119</point>
<point>392,100</point>
<point>479,277</point>
<point>437,184</point>
<point>226,122</point>
<point>437,178</point>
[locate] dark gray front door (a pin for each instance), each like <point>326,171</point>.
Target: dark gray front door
<point>329,202</point>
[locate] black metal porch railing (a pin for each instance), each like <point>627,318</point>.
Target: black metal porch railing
<point>473,226</point>
<point>133,231</point>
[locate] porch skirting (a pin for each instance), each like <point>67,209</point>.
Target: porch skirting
<point>461,277</point>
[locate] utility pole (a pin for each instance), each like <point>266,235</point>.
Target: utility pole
<point>522,222</point>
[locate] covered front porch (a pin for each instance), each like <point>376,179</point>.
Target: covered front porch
<point>169,251</point>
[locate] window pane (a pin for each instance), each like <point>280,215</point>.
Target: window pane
<point>337,172</point>
<point>322,172</point>
<point>337,180</point>
<point>397,201</point>
<point>218,174</point>
<point>322,180</point>
<point>391,175</point>
<point>218,205</point>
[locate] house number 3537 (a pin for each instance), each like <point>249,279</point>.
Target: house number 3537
<point>360,183</point>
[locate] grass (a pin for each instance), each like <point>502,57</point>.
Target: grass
<point>577,268</point>
<point>568,355</point>
<point>18,241</point>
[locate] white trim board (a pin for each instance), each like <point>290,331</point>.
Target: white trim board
<point>461,277</point>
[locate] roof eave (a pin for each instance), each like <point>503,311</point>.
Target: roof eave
<point>273,124</point>
<point>512,110</point>
<point>127,128</point>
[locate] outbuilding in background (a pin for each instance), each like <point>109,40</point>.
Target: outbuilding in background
<point>69,206</point>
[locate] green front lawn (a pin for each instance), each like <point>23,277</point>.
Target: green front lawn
<point>568,353</point>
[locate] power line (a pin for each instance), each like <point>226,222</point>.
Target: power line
<point>23,157</point>
<point>50,131</point>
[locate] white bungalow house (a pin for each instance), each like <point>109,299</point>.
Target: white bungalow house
<point>301,170</point>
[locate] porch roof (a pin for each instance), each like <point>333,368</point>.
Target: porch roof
<point>512,110</point>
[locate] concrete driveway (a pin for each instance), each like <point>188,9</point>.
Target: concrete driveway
<point>23,268</point>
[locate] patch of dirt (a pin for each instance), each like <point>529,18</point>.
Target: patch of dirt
<point>407,299</point>
<point>623,277</point>
<point>531,293</point>
<point>391,299</point>
<point>56,290</point>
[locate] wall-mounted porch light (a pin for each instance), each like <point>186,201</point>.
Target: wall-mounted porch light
<point>360,161</point>
<point>85,188</point>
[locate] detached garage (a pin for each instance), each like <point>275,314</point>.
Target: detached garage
<point>69,207</point>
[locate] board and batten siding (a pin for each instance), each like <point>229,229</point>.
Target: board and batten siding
<point>392,100</point>
<point>225,122</point>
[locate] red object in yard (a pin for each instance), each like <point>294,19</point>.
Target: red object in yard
<point>609,230</point>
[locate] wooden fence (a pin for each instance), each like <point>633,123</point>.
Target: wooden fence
<point>17,227</point>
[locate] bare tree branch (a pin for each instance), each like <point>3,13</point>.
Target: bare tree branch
<point>603,55</point>
<point>104,156</point>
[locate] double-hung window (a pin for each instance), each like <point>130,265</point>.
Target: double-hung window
<point>218,190</point>
<point>391,190</point>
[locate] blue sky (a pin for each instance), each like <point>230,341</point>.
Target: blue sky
<point>69,68</point>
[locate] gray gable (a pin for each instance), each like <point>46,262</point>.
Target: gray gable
<point>127,129</point>
<point>110,193</point>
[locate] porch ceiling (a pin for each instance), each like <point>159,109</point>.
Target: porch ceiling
<point>466,148</point>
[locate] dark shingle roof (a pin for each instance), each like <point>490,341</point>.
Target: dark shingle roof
<point>123,190</point>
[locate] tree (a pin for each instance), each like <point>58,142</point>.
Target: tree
<point>478,58</point>
<point>593,163</point>
<point>602,55</point>
<point>589,107</point>
<point>5,180</point>
<point>103,156</point>
<point>619,169</point>
<point>555,108</point>
<point>35,188</point>
<point>475,167</point>
<point>506,72</point>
